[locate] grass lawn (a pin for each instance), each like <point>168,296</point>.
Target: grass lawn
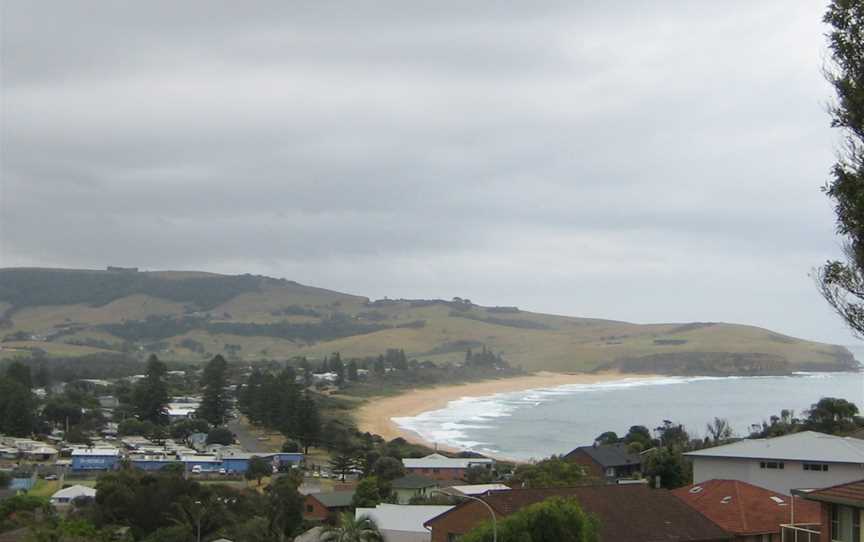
<point>44,488</point>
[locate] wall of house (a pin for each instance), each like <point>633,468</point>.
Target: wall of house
<point>586,462</point>
<point>459,520</point>
<point>404,496</point>
<point>314,510</point>
<point>404,536</point>
<point>791,476</point>
<point>439,474</point>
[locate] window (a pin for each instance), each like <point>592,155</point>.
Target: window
<point>820,467</point>
<point>453,537</point>
<point>436,470</point>
<point>845,523</point>
<point>309,508</point>
<point>610,471</point>
<point>771,465</point>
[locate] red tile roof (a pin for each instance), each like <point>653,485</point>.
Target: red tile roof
<point>745,509</point>
<point>851,493</point>
<point>627,513</point>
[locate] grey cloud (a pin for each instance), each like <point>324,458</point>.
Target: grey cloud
<point>577,158</point>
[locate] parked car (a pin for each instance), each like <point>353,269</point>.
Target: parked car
<point>51,477</point>
<point>196,469</point>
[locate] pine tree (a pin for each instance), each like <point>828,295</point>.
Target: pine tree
<point>352,370</point>
<point>20,373</point>
<point>309,422</point>
<point>150,395</point>
<point>214,403</point>
<point>379,366</point>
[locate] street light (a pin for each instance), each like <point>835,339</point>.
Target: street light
<point>481,501</point>
<point>198,518</point>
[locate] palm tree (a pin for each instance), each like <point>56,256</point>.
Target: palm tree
<point>362,529</point>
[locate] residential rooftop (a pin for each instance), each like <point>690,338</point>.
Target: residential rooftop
<point>334,499</point>
<point>402,518</point>
<point>438,461</point>
<point>479,489</point>
<point>745,509</point>
<point>803,446</point>
<point>627,513</point>
<point>609,455</point>
<point>851,494</point>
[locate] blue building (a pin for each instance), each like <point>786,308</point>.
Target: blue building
<point>84,459</point>
<point>153,463</point>
<point>283,459</point>
<point>201,463</point>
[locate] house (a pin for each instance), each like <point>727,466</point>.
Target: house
<point>327,506</point>
<point>439,467</point>
<point>180,411</point>
<point>41,453</point>
<point>749,513</point>
<point>627,513</point>
<point>69,494</point>
<point>797,461</point>
<point>95,459</point>
<point>411,486</point>
<point>606,461</point>
<point>400,523</point>
<point>8,453</point>
<point>842,512</point>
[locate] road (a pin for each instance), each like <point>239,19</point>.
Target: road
<point>248,438</point>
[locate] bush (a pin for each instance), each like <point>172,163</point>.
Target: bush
<point>220,435</point>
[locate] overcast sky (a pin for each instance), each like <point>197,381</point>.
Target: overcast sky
<point>643,161</point>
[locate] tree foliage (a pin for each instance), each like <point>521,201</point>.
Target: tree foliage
<point>150,395</point>
<point>349,529</point>
<point>367,494</point>
<point>258,468</point>
<point>842,282</point>
<point>214,402</point>
<point>553,472</point>
<point>553,520</point>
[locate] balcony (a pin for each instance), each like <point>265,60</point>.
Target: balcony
<point>800,532</point>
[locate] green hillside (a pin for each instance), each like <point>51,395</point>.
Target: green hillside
<point>193,316</point>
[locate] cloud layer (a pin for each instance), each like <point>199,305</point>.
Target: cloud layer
<point>648,161</point>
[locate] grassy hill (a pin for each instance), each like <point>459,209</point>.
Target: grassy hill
<point>193,316</point>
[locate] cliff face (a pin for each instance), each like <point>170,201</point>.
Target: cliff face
<point>729,364</point>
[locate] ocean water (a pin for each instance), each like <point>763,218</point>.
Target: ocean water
<point>532,424</point>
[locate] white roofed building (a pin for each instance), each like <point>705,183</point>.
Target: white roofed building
<point>805,460</point>
<point>477,489</point>
<point>69,494</point>
<point>401,523</point>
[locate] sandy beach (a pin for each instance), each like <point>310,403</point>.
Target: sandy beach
<point>375,416</point>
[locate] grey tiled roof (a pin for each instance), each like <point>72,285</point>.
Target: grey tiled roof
<point>803,446</point>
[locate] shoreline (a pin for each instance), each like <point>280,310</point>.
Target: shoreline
<point>376,415</point>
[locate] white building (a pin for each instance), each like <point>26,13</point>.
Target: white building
<point>477,489</point>
<point>400,523</point>
<point>805,460</point>
<point>69,494</point>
